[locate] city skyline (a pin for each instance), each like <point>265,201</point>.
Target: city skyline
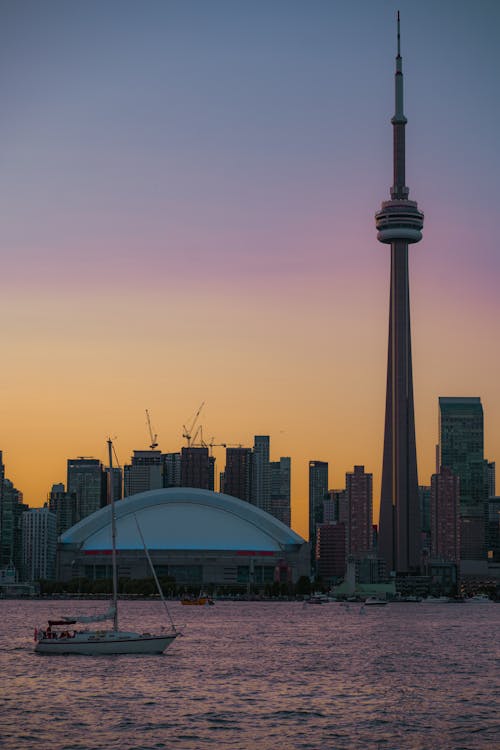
<point>193,221</point>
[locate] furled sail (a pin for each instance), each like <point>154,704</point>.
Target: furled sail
<point>91,618</point>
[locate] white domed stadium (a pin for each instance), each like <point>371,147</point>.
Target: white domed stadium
<point>195,536</point>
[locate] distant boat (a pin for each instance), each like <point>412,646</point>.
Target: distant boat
<point>480,599</point>
<point>317,599</point>
<point>375,601</point>
<point>60,637</point>
<point>200,601</point>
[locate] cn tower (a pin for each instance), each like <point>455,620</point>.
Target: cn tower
<point>399,224</point>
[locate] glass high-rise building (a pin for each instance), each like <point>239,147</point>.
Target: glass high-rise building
<point>261,473</point>
<point>11,511</point>
<point>461,435</point>
<point>87,479</point>
<point>318,492</point>
<point>280,475</point>
<point>39,544</point>
<point>171,469</point>
<point>461,439</point>
<point>63,505</point>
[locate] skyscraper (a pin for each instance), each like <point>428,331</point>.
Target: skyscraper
<point>117,475</point>
<point>399,223</point>
<point>11,511</point>
<point>171,469</point>
<point>144,473</point>
<point>261,475</point>
<point>238,473</point>
<point>318,489</point>
<point>280,472</point>
<point>39,544</point>
<point>491,472</point>
<point>63,505</point>
<point>461,436</point>
<point>424,499</point>
<point>86,478</point>
<point>331,550</point>
<point>445,516</point>
<point>359,493</point>
<point>197,468</point>
<point>493,529</point>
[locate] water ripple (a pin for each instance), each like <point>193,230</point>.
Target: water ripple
<point>266,675</point>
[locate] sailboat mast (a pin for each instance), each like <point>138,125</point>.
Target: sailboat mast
<point>113,536</point>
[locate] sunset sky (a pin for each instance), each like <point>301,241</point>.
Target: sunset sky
<point>187,204</point>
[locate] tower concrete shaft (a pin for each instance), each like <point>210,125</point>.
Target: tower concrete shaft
<point>399,223</point>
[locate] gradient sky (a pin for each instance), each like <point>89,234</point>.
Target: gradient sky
<point>187,204</point>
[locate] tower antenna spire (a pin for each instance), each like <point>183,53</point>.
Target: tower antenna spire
<point>399,39</point>
<point>399,189</point>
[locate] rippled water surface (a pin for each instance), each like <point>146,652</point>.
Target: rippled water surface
<point>260,675</point>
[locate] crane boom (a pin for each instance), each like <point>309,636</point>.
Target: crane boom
<point>187,431</point>
<point>153,438</point>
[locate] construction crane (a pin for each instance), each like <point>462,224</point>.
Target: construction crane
<point>154,438</point>
<point>201,443</point>
<point>189,430</point>
<point>213,445</point>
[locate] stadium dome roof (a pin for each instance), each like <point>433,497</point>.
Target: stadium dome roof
<point>183,518</point>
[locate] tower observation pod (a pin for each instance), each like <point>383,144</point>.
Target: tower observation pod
<point>399,223</point>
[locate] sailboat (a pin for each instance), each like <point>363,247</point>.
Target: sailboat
<point>61,637</point>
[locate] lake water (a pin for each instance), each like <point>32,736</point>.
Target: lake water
<point>260,675</point>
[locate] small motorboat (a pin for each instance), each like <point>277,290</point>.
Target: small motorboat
<point>375,601</point>
<point>198,601</point>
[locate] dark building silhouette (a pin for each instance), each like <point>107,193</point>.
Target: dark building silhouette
<point>331,550</point>
<point>251,476</point>
<point>399,223</point>
<point>117,475</point>
<point>424,498</point>
<point>144,473</point>
<point>491,473</point>
<point>359,487</point>
<point>87,479</point>
<point>261,473</point>
<point>63,505</point>
<point>238,473</point>
<point>197,468</point>
<point>318,491</point>
<point>280,477</point>
<point>171,469</point>
<point>11,512</point>
<point>493,529</point>
<point>461,433</point>
<point>445,516</point>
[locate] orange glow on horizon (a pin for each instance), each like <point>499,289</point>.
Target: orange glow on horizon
<point>310,372</point>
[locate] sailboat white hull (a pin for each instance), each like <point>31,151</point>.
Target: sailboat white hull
<point>60,638</point>
<point>106,642</point>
